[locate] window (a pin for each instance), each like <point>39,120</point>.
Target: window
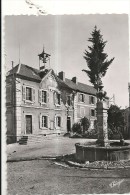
<point>91,99</point>
<point>29,93</point>
<point>92,112</point>
<point>58,121</point>
<point>57,99</point>
<point>81,97</point>
<point>45,121</point>
<point>69,100</point>
<point>44,96</point>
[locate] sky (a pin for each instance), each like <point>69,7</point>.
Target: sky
<point>65,37</point>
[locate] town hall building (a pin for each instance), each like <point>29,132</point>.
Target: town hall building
<point>40,102</point>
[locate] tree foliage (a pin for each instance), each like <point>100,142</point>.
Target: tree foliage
<point>96,59</point>
<point>85,123</point>
<point>116,120</point>
<point>76,128</point>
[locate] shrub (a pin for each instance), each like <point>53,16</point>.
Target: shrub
<point>85,123</point>
<point>76,128</point>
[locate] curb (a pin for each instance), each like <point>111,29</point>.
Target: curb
<point>38,158</point>
<point>72,164</point>
<point>30,159</point>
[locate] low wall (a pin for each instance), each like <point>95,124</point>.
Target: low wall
<point>94,153</point>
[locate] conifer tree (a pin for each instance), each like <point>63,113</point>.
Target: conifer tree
<point>97,61</point>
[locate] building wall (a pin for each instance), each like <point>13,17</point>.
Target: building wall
<point>36,108</point>
<point>84,108</point>
<point>10,111</point>
<point>129,114</point>
<point>36,113</point>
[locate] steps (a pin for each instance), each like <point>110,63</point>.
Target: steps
<point>33,139</point>
<point>23,140</point>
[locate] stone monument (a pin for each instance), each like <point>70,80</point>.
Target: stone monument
<point>102,115</point>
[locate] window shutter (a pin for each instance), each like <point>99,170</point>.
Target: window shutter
<point>94,100</point>
<point>40,95</point>
<point>48,96</point>
<point>48,122</point>
<point>55,122</point>
<point>79,97</point>
<point>62,122</point>
<point>84,97</point>
<point>71,101</point>
<point>24,92</point>
<point>33,94</point>
<point>94,112</point>
<point>40,122</point>
<point>54,97</point>
<point>89,99</point>
<point>60,98</point>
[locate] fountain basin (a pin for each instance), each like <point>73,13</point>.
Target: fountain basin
<point>98,153</point>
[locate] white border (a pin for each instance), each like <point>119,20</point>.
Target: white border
<point>15,7</point>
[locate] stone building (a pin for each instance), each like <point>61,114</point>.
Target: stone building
<point>41,102</point>
<point>127,118</point>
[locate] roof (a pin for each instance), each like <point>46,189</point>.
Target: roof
<point>26,72</point>
<point>81,87</point>
<point>29,73</point>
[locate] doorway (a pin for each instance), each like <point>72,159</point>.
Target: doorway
<point>28,124</point>
<point>68,123</point>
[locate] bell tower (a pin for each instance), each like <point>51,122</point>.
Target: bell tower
<point>44,58</point>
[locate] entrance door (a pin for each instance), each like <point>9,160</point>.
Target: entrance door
<point>68,124</point>
<point>28,124</point>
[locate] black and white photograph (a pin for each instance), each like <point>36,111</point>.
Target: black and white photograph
<point>66,103</point>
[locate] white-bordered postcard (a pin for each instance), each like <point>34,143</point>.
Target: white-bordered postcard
<point>65,97</point>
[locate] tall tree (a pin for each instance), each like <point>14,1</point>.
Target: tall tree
<point>97,61</point>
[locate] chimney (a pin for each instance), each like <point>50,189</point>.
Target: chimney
<point>62,75</point>
<point>75,80</point>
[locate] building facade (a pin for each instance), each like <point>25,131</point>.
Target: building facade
<point>41,102</point>
<point>127,118</point>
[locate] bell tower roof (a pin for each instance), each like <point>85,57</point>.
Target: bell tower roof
<point>44,57</point>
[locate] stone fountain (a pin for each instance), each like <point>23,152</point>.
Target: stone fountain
<point>102,149</point>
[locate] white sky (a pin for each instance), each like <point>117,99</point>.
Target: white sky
<point>65,38</point>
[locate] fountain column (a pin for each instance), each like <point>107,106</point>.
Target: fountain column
<point>102,123</point>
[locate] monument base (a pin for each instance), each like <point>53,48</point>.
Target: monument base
<point>104,143</point>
